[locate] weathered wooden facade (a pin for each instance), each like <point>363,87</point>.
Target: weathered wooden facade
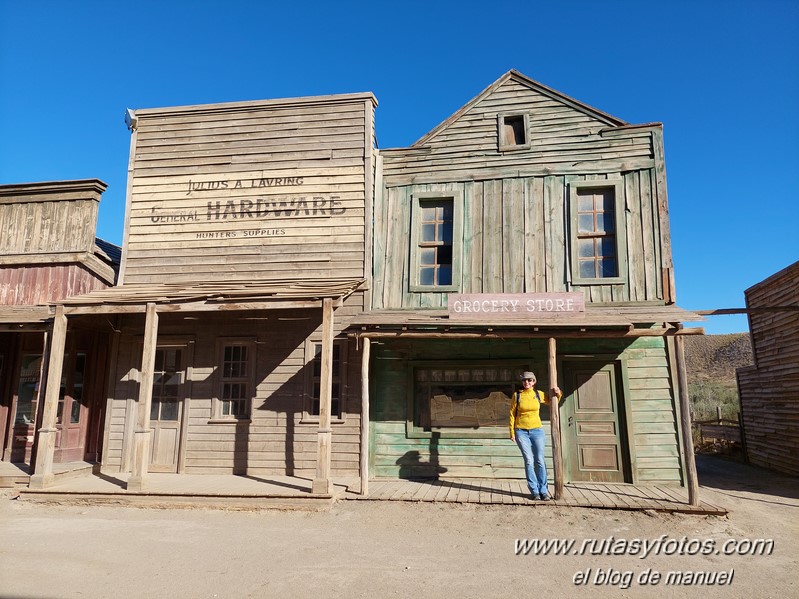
<point>293,301</point>
<point>244,258</point>
<point>525,195</point>
<point>48,251</point>
<point>769,389</point>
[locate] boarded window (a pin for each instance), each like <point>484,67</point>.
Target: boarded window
<point>513,132</point>
<point>464,396</point>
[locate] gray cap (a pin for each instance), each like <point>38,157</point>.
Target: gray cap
<point>527,375</point>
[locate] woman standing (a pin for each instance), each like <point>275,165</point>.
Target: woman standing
<point>527,430</point>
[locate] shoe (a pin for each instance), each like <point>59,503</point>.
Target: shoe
<point>546,497</point>
<point>535,497</point>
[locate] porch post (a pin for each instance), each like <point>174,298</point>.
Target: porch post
<point>322,484</point>
<point>43,471</point>
<point>687,437</point>
<point>138,480</point>
<point>365,416</point>
<point>554,415</point>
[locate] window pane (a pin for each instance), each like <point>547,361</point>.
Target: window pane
<point>585,223</point>
<point>428,233</point>
<point>74,417</point>
<point>606,202</point>
<point>445,275</point>
<point>154,408</point>
<point>585,248</point>
<point>426,276</point>
<point>169,410</point>
<point>428,213</point>
<point>607,246</point>
<point>427,256</point>
<point>585,202</point>
<point>609,267</point>
<point>604,223</point>
<point>587,269</point>
<point>444,255</point>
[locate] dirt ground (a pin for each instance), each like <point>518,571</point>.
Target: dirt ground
<point>393,549</point>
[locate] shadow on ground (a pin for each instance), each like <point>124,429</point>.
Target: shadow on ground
<point>719,473</point>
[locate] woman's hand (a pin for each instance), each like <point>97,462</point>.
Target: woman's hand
<point>556,392</point>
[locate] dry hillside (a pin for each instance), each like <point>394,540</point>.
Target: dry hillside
<point>714,358</point>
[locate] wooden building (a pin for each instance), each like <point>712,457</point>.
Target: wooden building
<point>48,251</point>
<point>769,389</point>
<point>293,301</point>
<point>245,232</point>
<point>528,231</point>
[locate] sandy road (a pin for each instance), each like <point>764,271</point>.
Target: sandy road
<point>391,549</point>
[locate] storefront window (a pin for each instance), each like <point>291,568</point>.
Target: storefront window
<point>465,397</point>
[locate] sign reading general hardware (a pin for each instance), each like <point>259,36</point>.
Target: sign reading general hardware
<point>515,306</point>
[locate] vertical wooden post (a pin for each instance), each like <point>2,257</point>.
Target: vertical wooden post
<point>687,436</point>
<point>43,470</point>
<point>365,416</point>
<point>321,483</point>
<point>138,480</point>
<point>557,458</point>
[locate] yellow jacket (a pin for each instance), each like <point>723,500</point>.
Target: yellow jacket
<point>529,416</point>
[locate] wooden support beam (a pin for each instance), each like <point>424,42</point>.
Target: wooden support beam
<point>42,476</point>
<point>141,449</point>
<point>692,480</point>
<point>322,484</point>
<point>554,416</point>
<point>531,334</point>
<point>365,357</point>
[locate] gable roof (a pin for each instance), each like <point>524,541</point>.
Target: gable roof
<point>532,84</point>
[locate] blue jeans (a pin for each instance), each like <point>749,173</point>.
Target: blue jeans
<point>531,442</point>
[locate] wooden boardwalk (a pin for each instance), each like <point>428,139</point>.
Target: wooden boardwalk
<point>514,492</point>
<point>77,483</point>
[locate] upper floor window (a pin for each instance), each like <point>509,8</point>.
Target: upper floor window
<point>512,132</point>
<point>598,234</point>
<point>597,231</point>
<point>236,387</point>
<point>436,238</point>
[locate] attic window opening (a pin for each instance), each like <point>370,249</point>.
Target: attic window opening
<point>513,132</point>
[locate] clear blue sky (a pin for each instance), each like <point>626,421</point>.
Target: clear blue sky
<point>723,77</point>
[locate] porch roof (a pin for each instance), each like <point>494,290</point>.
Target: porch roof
<point>620,320</point>
<point>200,297</point>
<point>24,317</point>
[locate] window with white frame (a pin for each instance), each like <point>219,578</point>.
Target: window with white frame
<point>436,241</point>
<point>597,232</point>
<point>235,379</point>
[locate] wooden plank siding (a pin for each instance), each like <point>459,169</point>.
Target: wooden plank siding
<point>279,438</point>
<point>247,191</point>
<point>649,399</point>
<point>38,284</point>
<point>769,390</point>
<point>516,215</point>
<point>515,240</point>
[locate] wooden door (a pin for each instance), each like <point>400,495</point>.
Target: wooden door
<point>72,414</point>
<point>591,424</point>
<point>166,411</point>
<point>25,408</point>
